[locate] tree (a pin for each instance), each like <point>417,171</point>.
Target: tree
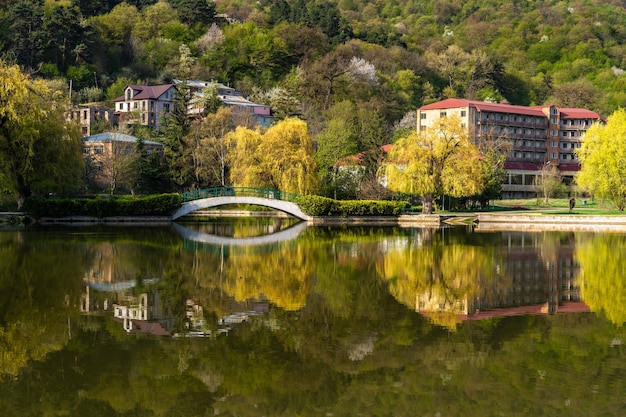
<point>548,181</point>
<point>209,149</point>
<point>25,32</point>
<point>282,158</point>
<point>602,155</point>
<point>39,151</point>
<point>440,160</point>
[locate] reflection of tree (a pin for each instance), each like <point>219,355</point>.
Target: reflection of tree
<point>603,274</point>
<point>35,290</point>
<point>439,276</point>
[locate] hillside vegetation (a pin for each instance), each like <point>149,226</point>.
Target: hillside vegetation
<point>399,54</point>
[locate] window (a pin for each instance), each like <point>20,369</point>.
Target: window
<point>563,156</point>
<point>127,150</point>
<point>553,110</point>
<point>443,114</point>
<point>423,116</point>
<point>98,149</point>
<point>463,113</point>
<point>166,107</point>
<point>86,150</point>
<point>554,144</point>
<point>553,155</point>
<point>553,132</point>
<point>572,156</point>
<point>553,120</point>
<point>564,145</point>
<point>563,133</point>
<point>135,105</point>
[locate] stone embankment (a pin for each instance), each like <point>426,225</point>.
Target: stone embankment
<point>539,222</point>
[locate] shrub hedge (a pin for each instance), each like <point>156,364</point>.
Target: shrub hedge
<point>323,206</point>
<point>153,205</point>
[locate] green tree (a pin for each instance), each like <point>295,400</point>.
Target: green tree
<point>440,160</point>
<point>602,155</point>
<point>39,151</point>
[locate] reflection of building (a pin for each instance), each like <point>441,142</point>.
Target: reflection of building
<point>530,283</point>
<point>143,314</point>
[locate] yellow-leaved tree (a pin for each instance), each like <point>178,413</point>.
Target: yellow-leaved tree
<point>440,160</point>
<point>602,158</point>
<point>282,158</point>
<point>40,152</point>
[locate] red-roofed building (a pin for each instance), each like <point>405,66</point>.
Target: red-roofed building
<point>145,105</point>
<point>538,135</point>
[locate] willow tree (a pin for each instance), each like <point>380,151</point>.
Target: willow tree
<point>39,151</point>
<point>282,158</point>
<point>438,161</point>
<point>602,155</point>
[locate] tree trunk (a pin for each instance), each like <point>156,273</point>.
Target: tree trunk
<point>427,204</point>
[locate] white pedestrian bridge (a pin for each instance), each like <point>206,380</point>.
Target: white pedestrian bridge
<point>221,196</point>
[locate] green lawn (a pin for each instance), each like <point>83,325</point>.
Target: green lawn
<point>558,206</point>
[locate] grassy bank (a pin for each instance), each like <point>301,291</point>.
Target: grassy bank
<point>558,206</point>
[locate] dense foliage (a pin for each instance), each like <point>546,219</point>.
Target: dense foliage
<point>323,206</point>
<point>353,70</point>
<point>153,205</point>
<point>568,53</point>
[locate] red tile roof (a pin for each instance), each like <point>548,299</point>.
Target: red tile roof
<point>566,113</point>
<point>579,114</point>
<point>452,103</point>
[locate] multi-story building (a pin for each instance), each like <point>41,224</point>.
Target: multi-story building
<point>245,112</point>
<point>105,150</point>
<point>145,105</point>
<point>537,136</point>
<point>87,115</point>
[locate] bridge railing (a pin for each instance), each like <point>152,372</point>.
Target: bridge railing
<point>238,192</point>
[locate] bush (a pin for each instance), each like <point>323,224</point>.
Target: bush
<point>323,206</point>
<point>153,205</point>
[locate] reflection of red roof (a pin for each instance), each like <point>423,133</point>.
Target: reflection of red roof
<point>538,309</point>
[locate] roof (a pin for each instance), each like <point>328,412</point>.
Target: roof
<point>117,137</point>
<point>145,92</point>
<point>352,160</point>
<point>452,103</point>
<point>579,114</point>
<point>565,113</point>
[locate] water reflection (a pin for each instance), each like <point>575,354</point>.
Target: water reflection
<point>364,313</point>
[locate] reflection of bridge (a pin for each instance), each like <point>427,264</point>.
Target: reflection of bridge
<point>213,197</point>
<point>284,235</point>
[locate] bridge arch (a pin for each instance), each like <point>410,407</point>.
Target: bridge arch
<point>281,205</point>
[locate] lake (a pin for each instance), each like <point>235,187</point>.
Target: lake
<point>267,317</point>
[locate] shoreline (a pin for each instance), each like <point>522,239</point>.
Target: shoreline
<point>480,221</point>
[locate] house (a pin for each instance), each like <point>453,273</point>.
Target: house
<point>106,150</point>
<point>245,112</point>
<point>145,105</point>
<point>537,136</point>
<point>87,115</point>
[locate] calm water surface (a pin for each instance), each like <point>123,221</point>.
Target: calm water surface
<point>268,318</point>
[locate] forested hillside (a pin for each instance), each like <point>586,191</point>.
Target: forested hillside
<point>354,70</point>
